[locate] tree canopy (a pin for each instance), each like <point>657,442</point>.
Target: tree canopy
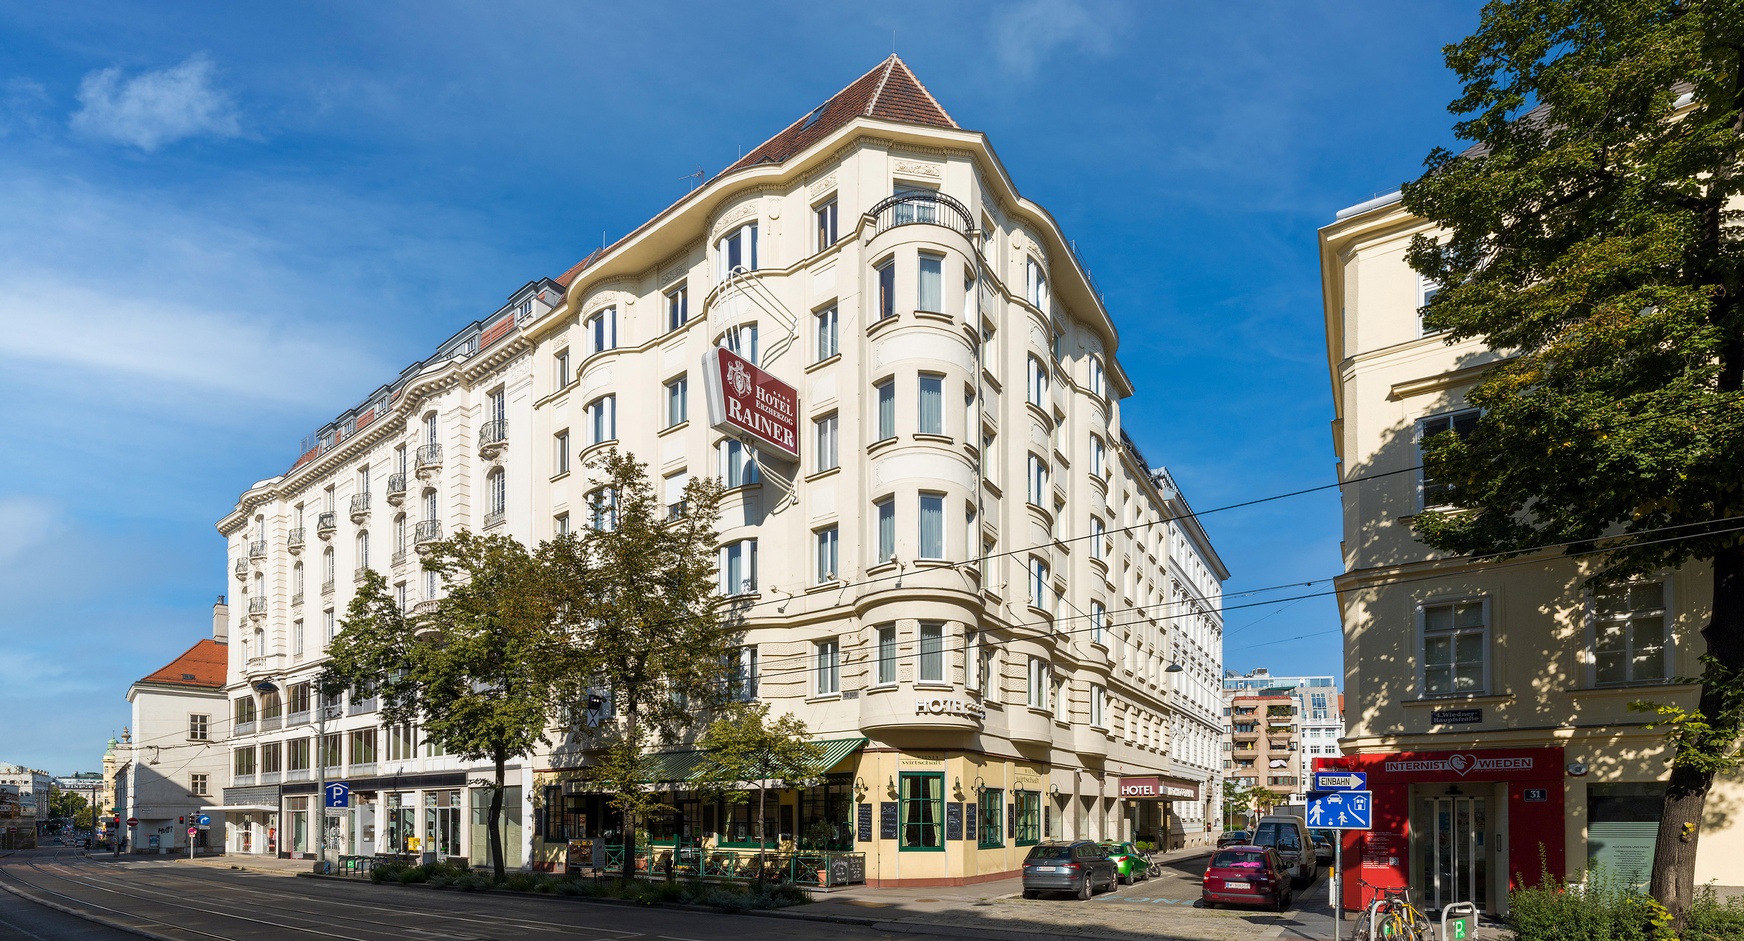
<point>1590,237</point>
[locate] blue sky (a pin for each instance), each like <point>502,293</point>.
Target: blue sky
<point>222,224</point>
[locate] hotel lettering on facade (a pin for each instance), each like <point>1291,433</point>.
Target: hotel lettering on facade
<point>954,564</point>
<point>1489,704</point>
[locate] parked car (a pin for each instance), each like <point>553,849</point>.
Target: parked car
<point>1288,835</point>
<point>1246,875</point>
<point>1077,866</point>
<point>1323,843</point>
<point>1233,838</point>
<point>1130,864</point>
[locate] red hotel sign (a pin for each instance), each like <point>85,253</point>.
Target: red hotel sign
<point>745,399</point>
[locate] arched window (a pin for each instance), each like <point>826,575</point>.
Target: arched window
<point>363,550</point>
<point>327,567</point>
<point>297,579</point>
<point>400,533</point>
<point>430,504</point>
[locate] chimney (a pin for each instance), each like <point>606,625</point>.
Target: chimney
<point>221,621</point>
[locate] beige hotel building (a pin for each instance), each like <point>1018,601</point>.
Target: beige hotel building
<point>971,584</point>
<point>1488,703</point>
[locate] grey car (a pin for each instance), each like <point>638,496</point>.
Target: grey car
<point>1077,866</point>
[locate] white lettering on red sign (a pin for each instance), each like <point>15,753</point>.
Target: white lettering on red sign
<point>1459,764</point>
<point>745,399</point>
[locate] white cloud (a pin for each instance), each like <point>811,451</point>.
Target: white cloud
<point>1025,34</point>
<point>155,108</point>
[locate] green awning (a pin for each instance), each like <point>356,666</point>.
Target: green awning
<point>680,765</point>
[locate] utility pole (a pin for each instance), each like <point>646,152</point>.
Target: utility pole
<point>321,777</point>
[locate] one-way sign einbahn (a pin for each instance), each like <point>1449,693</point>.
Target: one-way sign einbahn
<point>1341,810</point>
<point>1340,781</point>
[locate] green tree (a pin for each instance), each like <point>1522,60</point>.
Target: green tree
<point>1587,238</point>
<point>1237,798</point>
<point>743,748</point>
<point>71,805</point>
<point>648,644</point>
<point>476,674</point>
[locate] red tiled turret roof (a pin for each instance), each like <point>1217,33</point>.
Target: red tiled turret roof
<point>889,92</point>
<point>203,665</point>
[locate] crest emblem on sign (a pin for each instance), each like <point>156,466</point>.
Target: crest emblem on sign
<point>738,378</point>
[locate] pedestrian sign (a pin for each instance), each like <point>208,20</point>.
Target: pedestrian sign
<point>339,794</point>
<point>1342,810</point>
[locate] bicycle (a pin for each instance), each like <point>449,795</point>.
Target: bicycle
<point>1390,916</point>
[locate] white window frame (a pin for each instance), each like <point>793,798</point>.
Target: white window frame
<point>825,216</point>
<point>1036,382</point>
<point>1669,644</point>
<point>1098,706</point>
<point>602,419</point>
<point>746,237</point>
<point>742,340</point>
<point>1098,538</point>
<point>929,391</point>
<point>827,667</point>
<point>602,330</point>
<point>886,293</point>
<point>1039,584</point>
<point>1423,482</point>
<point>677,307</point>
<point>884,532</point>
<point>738,465</point>
<point>1039,683</point>
<point>1423,644</point>
<point>929,283</point>
<point>827,554</point>
<point>1036,481</point>
<point>883,392</point>
<point>929,652</point>
<point>884,654</point>
<point>743,552</point>
<point>1098,623</point>
<point>1098,377</point>
<point>826,439</point>
<point>1098,456</point>
<point>937,501</point>
<point>677,401</point>
<point>827,323</point>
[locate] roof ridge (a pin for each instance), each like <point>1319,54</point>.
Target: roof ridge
<point>872,102</point>
<point>924,90</point>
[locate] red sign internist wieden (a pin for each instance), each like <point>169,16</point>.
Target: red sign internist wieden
<point>744,399</point>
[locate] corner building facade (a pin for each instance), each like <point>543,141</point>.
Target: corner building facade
<point>1489,703</point>
<point>970,583</point>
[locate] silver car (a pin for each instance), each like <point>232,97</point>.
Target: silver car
<point>1077,866</point>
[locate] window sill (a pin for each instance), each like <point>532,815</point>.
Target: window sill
<point>596,447</point>
<point>935,315</point>
<point>992,487</point>
<point>741,489</point>
<point>929,436</point>
<point>882,687</point>
<point>830,585</point>
<point>827,361</point>
<point>882,568</point>
<point>881,444</point>
<point>881,324</point>
<point>1482,699</point>
<point>1632,689</point>
<point>826,472</point>
<point>669,429</point>
<point>933,684</point>
<point>559,476</point>
<point>1036,412</point>
<point>824,697</point>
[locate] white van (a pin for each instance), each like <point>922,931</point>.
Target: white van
<point>1288,834</point>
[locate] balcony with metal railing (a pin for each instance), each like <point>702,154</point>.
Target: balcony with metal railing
<point>257,549</point>
<point>297,600</point>
<point>294,541</point>
<point>326,523</point>
<point>493,437</point>
<point>257,607</point>
<point>241,569</point>
<point>426,532</point>
<point>494,518</point>
<point>429,458</point>
<point>922,208</point>
<point>396,489</point>
<point>327,587</point>
<point>399,558</point>
<point>359,507</point>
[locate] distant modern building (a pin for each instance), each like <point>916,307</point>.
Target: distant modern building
<point>1276,725</point>
<point>24,796</point>
<point>175,760</point>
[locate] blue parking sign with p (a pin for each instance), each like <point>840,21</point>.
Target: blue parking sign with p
<point>339,794</point>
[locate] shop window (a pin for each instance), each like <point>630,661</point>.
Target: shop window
<point>923,811</point>
<point>991,818</point>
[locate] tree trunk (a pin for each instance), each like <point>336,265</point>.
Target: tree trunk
<point>1686,794</point>
<point>628,870</point>
<point>496,818</point>
<point>762,837</point>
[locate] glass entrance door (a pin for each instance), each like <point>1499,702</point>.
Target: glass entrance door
<point>1452,852</point>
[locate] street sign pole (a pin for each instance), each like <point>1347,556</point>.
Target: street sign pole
<point>1338,888</point>
<point>321,777</point>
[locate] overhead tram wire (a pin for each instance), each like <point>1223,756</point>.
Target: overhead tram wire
<point>1532,560</point>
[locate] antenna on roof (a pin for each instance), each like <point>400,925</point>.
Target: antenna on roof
<point>893,42</point>
<point>697,178</point>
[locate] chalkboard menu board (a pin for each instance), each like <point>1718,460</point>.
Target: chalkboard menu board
<point>887,820</point>
<point>969,822</point>
<point>953,821</point>
<point>864,824</point>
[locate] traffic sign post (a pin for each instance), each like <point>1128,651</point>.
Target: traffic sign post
<point>1340,810</point>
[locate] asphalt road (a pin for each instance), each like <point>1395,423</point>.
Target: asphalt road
<point>202,904</point>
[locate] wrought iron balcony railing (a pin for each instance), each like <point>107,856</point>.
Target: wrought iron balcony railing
<point>921,208</point>
<point>427,531</point>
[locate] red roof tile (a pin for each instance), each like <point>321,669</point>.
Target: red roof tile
<point>203,665</point>
<point>889,92</point>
